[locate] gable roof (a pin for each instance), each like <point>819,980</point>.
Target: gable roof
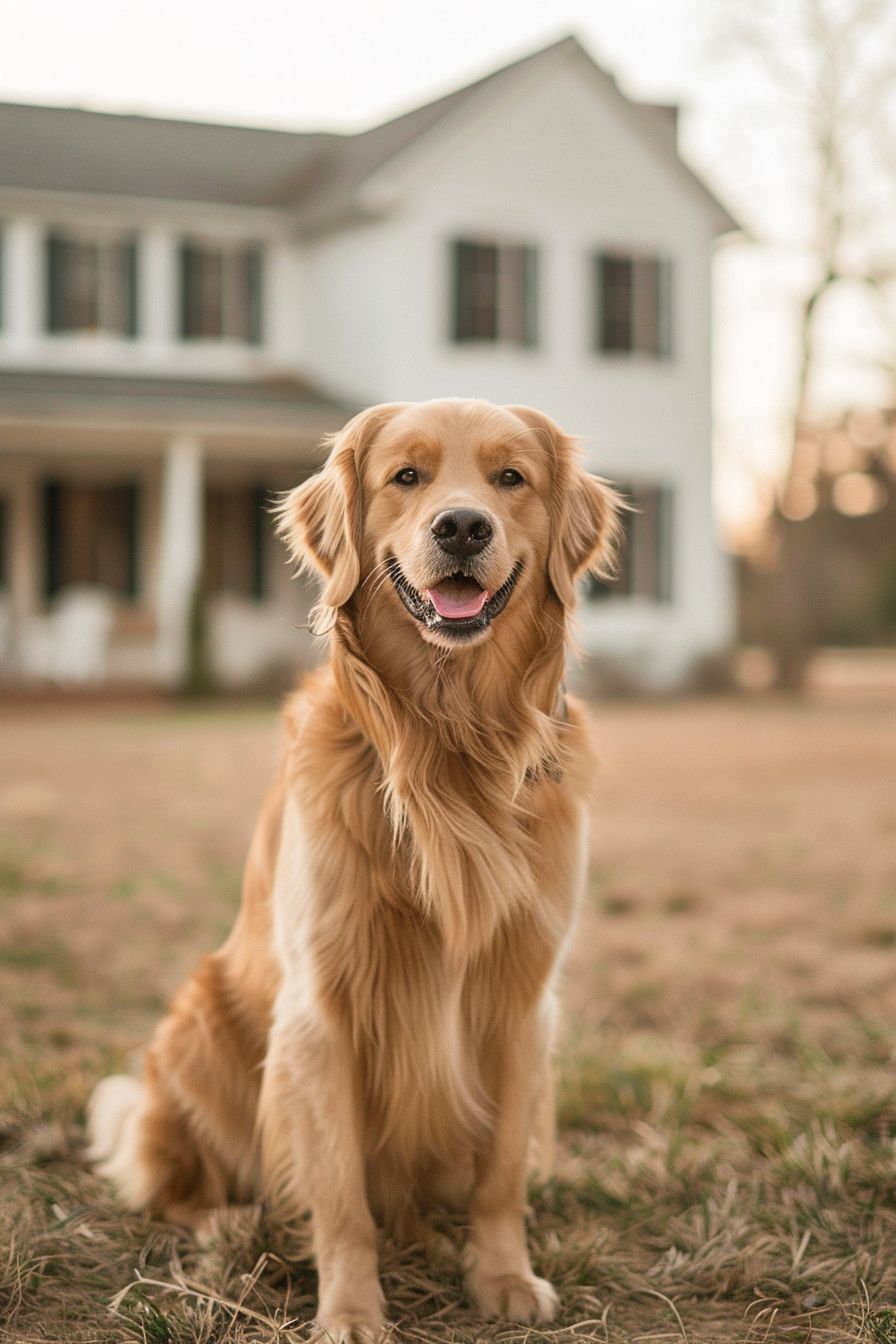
<point>317,174</point>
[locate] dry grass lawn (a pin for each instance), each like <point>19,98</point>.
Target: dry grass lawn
<point>728,1077</point>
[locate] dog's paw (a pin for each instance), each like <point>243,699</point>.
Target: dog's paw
<point>348,1327</point>
<point>513,1297</point>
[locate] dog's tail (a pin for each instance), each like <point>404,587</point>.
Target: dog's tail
<point>113,1118</point>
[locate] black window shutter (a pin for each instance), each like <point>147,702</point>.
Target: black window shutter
<point>463,255</point>
<point>531,296</point>
<point>55,254</point>
<point>132,507</point>
<point>614,287</point>
<point>259,534</point>
<point>665,300</point>
<point>128,281</point>
<point>52,519</point>
<point>188,298</point>
<point>254,289</point>
<point>665,590</point>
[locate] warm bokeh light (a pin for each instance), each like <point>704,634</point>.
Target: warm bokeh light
<point>856,494</point>
<point>799,500</point>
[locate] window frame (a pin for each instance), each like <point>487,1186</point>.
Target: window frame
<point>130,493</point>
<point>240,313</point>
<point>656,346</point>
<point>645,576</point>
<point>116,264</point>
<point>516,325</point>
<point>257,499</point>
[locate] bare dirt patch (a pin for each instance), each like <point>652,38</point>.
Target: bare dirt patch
<point>727,1079</point>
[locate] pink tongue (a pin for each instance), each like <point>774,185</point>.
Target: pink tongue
<point>455,602</point>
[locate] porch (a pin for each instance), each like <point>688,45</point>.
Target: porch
<point>135,536</point>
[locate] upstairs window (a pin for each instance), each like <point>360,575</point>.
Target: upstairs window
<point>645,564</point>
<point>633,304</point>
<point>220,292</point>
<point>495,296</point>
<point>91,284</point>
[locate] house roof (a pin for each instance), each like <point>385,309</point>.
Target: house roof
<point>316,173</point>
<point>282,404</point>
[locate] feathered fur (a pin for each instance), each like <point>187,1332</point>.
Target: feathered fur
<point>374,1035</point>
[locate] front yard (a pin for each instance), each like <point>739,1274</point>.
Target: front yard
<point>727,1168</point>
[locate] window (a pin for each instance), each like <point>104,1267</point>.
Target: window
<point>91,284</point>
<point>90,536</point>
<point>645,554</point>
<point>220,292</point>
<point>494,292</point>
<point>633,304</point>
<point>236,524</point>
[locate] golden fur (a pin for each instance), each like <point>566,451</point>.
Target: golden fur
<point>374,1035</point>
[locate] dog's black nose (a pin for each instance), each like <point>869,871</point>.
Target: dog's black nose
<point>462,532</point>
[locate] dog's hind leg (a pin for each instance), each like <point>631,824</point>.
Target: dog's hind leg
<point>181,1140</point>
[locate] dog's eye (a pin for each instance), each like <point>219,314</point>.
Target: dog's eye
<point>407,476</point>
<point>510,477</point>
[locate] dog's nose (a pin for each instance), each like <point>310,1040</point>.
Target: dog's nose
<point>462,532</point>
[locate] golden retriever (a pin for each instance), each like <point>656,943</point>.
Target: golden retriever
<point>373,1037</point>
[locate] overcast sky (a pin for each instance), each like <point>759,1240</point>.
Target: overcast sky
<point>343,64</point>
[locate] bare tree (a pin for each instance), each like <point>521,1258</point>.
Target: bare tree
<point>827,73</point>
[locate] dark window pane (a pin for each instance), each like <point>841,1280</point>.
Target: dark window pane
<point>254,301</point>
<point>221,293</point>
<point>517,293</point>
<point>495,292</point>
<point>645,562</point>
<point>646,305</point>
<point>476,292</point>
<point>202,293</point>
<point>633,304</point>
<point>73,285</point>
<point>90,536</point>
<point>666,302</point>
<point>129,287</point>
<point>235,529</point>
<point>91,286</point>
<point>614,287</point>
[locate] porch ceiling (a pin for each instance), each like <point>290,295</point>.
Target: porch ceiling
<point>81,410</point>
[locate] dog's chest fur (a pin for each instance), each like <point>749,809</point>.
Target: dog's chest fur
<point>360,949</point>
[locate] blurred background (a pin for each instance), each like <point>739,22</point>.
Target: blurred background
<point>671,224</point>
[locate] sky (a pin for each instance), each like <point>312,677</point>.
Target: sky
<point>345,64</point>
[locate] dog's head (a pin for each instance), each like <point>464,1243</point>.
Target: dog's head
<point>449,515</point>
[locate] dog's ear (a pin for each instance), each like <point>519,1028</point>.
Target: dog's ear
<point>321,520</point>
<point>585,512</point>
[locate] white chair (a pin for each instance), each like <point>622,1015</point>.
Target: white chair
<point>80,627</point>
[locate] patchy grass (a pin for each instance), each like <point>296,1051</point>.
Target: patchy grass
<point>727,1088</point>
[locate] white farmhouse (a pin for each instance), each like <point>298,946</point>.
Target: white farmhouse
<point>186,309</point>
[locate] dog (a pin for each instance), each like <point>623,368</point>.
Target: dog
<point>373,1038</point>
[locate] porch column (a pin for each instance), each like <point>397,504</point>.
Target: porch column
<point>157,291</point>
<point>180,554</point>
<point>24,280</point>
<point>24,558</point>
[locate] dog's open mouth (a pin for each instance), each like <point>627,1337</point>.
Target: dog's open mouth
<point>458,604</point>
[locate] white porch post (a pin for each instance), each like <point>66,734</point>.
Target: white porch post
<point>180,554</point>
<point>23,280</point>
<point>157,290</point>
<point>24,558</point>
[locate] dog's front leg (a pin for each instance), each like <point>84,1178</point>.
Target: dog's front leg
<point>499,1274</point>
<point>312,1157</point>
